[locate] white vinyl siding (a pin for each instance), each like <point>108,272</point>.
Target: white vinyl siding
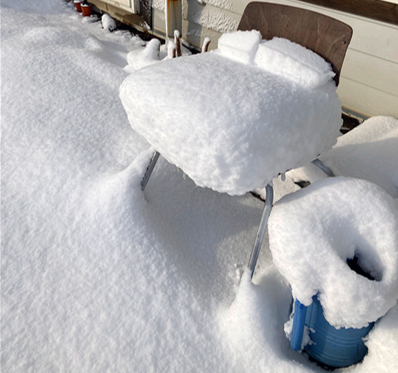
<point>369,78</point>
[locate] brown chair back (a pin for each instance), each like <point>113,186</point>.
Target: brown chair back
<point>322,34</point>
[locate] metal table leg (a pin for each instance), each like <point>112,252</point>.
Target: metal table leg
<point>261,229</point>
<point>317,162</point>
<point>148,172</point>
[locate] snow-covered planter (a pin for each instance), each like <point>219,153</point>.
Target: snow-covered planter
<point>314,234</point>
<point>78,4</point>
<point>86,9</point>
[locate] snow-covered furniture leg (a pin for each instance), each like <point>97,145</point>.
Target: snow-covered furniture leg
<point>266,213</point>
<point>261,229</point>
<point>317,162</point>
<point>148,172</point>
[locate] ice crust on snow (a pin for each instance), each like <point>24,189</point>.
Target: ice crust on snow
<point>315,230</point>
<point>245,125</point>
<point>291,60</point>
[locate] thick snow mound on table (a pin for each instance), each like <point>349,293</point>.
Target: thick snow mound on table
<point>278,56</point>
<point>293,61</point>
<point>240,45</point>
<point>229,126</point>
<point>314,231</point>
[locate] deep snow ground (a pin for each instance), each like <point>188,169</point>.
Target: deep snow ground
<point>97,276</point>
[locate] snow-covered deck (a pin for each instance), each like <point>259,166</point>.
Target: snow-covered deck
<point>95,276</point>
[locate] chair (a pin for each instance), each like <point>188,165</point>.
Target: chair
<point>324,35</point>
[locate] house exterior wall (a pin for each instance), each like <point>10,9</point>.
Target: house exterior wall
<point>129,5</point>
<point>369,78</point>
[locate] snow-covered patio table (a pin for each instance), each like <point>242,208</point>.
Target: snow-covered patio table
<point>235,118</point>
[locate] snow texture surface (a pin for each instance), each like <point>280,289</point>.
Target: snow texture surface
<point>291,60</point>
<point>97,276</point>
<point>108,23</point>
<point>137,59</point>
<point>240,46</point>
<point>371,149</point>
<point>246,125</point>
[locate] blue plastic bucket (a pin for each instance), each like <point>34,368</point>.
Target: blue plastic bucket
<point>331,347</point>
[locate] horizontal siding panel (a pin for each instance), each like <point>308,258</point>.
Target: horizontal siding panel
<point>372,71</point>
<point>239,5</point>
<point>366,100</point>
<point>206,20</point>
<point>158,21</point>
<point>195,34</point>
<point>371,37</point>
<point>211,17</point>
<point>124,3</point>
<point>383,11</point>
